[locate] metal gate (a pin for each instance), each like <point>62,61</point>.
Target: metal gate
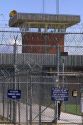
<point>34,70</point>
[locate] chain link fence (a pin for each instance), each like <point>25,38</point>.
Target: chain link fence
<point>34,69</point>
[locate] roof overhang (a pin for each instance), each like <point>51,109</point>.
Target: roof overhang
<point>35,20</point>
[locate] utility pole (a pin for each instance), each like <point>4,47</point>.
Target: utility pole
<point>58,63</point>
<point>57,6</point>
<point>43,6</point>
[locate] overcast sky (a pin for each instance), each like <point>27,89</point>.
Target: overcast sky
<point>36,6</point>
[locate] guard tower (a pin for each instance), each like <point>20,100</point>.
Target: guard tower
<point>42,29</point>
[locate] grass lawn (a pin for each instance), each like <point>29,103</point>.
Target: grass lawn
<point>71,108</point>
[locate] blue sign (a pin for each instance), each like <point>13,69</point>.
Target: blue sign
<point>14,94</point>
<point>59,94</point>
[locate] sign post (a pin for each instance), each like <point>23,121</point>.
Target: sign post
<point>59,94</point>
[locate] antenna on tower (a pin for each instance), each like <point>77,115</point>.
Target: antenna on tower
<point>57,6</point>
<point>43,6</point>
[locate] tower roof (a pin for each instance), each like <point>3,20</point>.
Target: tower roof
<point>35,20</point>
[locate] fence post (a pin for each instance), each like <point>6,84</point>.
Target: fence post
<point>14,80</point>
<point>57,84</point>
<point>27,100</point>
<point>30,98</point>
